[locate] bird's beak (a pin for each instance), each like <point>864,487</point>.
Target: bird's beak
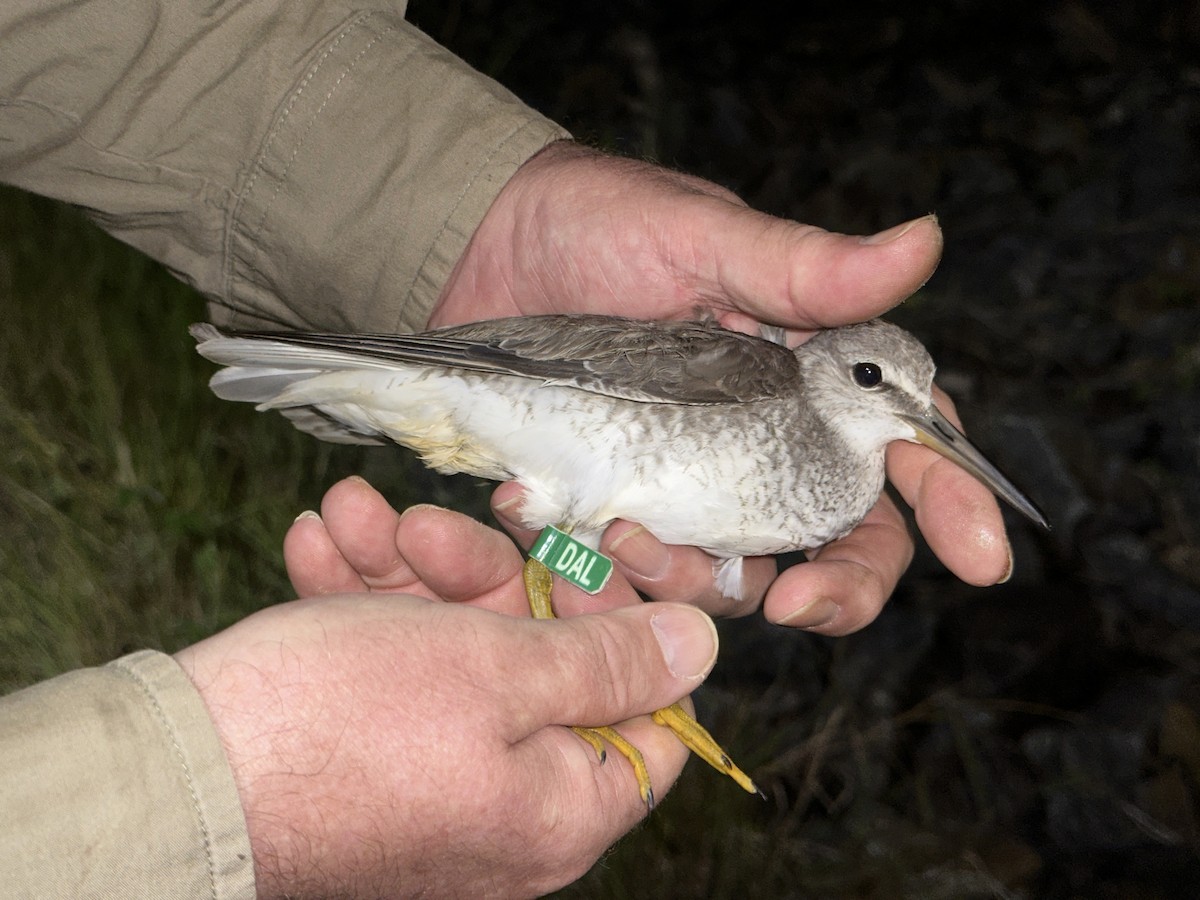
<point>938,433</point>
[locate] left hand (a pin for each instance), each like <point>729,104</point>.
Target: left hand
<point>360,544</point>
<point>575,231</point>
<point>414,743</point>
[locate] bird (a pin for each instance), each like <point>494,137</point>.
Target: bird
<point>731,442</point>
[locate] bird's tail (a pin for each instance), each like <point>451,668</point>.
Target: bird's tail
<point>271,373</point>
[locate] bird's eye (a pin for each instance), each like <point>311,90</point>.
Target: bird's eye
<point>868,375</point>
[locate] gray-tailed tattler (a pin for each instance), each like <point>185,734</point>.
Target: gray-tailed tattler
<point>706,437</point>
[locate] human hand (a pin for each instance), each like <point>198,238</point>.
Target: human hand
<point>575,231</point>
<point>394,744</point>
<point>360,544</point>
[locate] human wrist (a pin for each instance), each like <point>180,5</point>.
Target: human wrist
<point>254,744</point>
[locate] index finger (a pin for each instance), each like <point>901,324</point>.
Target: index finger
<point>568,599</point>
<point>958,516</point>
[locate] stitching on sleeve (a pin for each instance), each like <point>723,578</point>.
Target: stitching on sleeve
<point>309,126</point>
<point>237,228</point>
<point>187,772</point>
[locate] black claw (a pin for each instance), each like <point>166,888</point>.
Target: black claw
<point>726,761</point>
<point>649,799</point>
<point>759,791</point>
<point>603,756</point>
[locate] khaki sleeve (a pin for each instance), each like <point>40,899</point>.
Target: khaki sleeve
<point>304,165</point>
<point>113,783</point>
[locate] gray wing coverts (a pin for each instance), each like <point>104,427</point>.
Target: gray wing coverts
<point>664,362</point>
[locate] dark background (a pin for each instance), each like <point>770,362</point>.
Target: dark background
<point>1037,739</point>
<point>1040,738</point>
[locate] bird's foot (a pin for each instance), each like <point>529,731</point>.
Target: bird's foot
<point>696,738</point>
<point>538,586</point>
<point>597,736</point>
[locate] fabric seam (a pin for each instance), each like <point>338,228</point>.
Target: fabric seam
<point>165,722</point>
<point>458,201</point>
<point>237,228</point>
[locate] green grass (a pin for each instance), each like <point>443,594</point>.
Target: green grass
<point>136,509</point>
<point>117,528</point>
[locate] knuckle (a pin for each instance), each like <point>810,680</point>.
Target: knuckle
<point>610,661</point>
<point>601,656</point>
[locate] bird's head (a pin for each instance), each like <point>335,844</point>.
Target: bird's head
<point>873,384</point>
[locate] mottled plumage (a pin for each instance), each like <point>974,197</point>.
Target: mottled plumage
<point>707,437</point>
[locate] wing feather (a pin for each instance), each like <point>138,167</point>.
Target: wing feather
<point>664,362</point>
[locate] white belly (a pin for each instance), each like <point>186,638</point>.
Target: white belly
<point>586,459</point>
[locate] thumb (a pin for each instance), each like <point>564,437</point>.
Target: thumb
<point>801,276</point>
<point>599,669</point>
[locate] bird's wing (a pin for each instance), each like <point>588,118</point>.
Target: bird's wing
<point>665,362</point>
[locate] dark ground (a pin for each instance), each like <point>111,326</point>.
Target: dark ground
<point>1036,739</point>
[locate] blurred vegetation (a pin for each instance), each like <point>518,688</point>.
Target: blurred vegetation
<point>136,509</point>
<point>132,513</point>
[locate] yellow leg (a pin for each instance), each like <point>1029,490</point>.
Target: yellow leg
<point>538,585</point>
<point>696,738</point>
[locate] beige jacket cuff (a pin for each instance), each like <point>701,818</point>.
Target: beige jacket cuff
<point>115,784</point>
<point>316,166</point>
